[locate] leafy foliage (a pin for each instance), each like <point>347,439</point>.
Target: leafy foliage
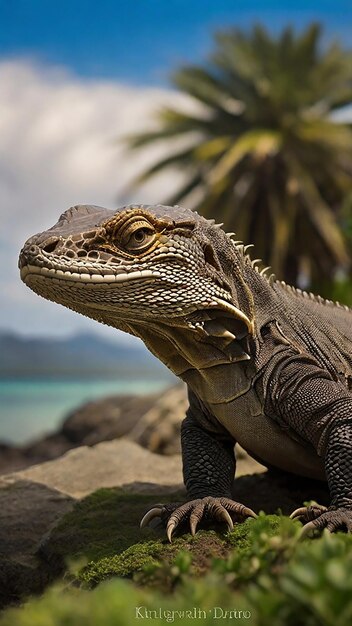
<point>271,579</point>
<point>261,151</point>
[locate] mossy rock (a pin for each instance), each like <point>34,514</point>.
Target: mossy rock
<point>101,535</point>
<point>102,524</point>
<point>101,539</point>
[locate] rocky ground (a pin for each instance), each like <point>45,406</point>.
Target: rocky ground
<point>87,503</point>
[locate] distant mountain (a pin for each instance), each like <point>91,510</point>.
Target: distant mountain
<point>81,355</point>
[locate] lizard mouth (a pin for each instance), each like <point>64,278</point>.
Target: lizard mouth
<point>225,326</point>
<point>236,314</point>
<point>221,319</point>
<point>218,317</point>
<point>29,272</point>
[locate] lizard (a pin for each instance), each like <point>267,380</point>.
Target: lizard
<point>266,365</point>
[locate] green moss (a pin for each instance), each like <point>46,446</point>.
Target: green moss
<point>242,535</point>
<point>101,525</point>
<point>103,531</point>
<point>123,565</point>
<point>202,548</point>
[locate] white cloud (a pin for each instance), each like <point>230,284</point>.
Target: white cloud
<point>59,146</point>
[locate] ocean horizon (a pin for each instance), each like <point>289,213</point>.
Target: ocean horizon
<point>31,408</point>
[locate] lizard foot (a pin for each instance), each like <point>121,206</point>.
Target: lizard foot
<point>196,510</point>
<point>317,517</point>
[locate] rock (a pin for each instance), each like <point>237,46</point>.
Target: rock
<point>159,428</point>
<point>103,420</point>
<point>109,464</point>
<point>12,458</point>
<point>33,500</point>
<point>153,420</point>
<point>27,511</point>
<point>46,449</point>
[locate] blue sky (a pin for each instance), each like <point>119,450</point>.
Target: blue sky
<point>76,77</point>
<point>140,41</point>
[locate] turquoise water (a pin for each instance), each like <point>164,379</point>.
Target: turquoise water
<point>28,409</point>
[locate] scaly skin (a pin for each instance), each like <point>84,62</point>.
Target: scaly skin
<point>266,365</point>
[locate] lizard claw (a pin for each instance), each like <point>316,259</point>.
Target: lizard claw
<point>223,515</point>
<point>196,510</point>
<point>195,517</point>
<point>154,512</point>
<point>308,513</point>
<point>171,525</point>
<point>318,517</point>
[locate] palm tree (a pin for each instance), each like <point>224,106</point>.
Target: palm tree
<point>262,152</point>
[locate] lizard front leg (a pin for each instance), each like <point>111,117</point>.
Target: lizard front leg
<point>208,470</point>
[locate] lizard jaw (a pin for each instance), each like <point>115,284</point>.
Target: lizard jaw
<point>28,271</point>
<point>217,316</point>
<point>237,314</point>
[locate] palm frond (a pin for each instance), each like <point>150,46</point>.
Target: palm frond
<point>259,143</point>
<point>263,153</point>
<point>183,157</point>
<point>320,215</point>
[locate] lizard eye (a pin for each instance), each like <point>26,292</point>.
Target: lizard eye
<point>140,239</point>
<point>137,236</point>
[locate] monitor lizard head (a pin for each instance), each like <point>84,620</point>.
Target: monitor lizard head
<point>143,265</point>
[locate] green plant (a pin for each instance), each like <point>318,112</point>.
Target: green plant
<point>261,151</point>
<point>269,577</point>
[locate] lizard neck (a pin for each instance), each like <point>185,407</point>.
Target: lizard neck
<point>182,349</point>
<point>215,372</point>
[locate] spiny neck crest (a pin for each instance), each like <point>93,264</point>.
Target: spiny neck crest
<point>308,295</point>
<point>255,264</point>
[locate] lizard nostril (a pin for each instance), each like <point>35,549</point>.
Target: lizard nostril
<point>50,247</point>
